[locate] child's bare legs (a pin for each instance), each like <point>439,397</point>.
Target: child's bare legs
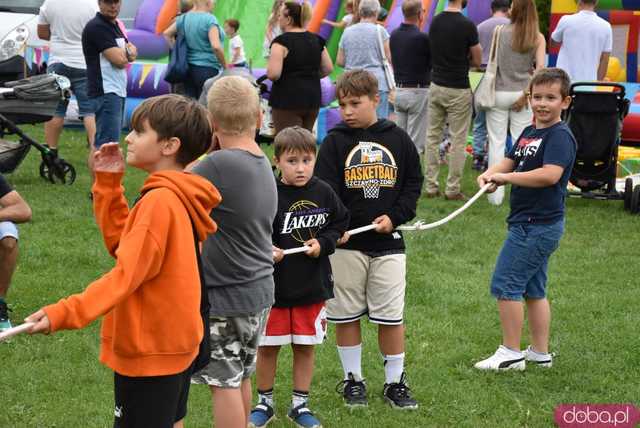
<point>303,359</point>
<point>511,320</point>
<point>539,315</point>
<point>391,339</point>
<point>231,406</point>
<point>266,365</point>
<point>348,334</point>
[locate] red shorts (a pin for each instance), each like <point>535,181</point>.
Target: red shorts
<point>300,325</point>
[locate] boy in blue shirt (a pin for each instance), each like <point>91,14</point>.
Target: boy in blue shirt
<point>538,169</point>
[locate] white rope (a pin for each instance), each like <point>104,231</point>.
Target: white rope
<point>418,225</point>
<point>15,330</point>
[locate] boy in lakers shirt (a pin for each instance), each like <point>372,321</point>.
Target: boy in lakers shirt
<point>374,167</point>
<point>309,213</point>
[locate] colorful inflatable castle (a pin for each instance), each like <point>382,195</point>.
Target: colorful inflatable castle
<point>624,17</point>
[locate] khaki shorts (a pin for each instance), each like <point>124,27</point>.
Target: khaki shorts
<point>365,285</point>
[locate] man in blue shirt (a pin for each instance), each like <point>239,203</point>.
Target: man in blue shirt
<point>107,53</point>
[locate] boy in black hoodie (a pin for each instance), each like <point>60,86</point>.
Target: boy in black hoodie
<point>309,213</point>
<point>374,168</point>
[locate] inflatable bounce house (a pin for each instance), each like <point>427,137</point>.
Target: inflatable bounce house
<point>152,17</point>
<point>624,17</point>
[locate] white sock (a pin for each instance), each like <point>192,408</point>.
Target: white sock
<point>298,398</point>
<point>350,357</point>
<point>393,368</point>
<point>515,352</point>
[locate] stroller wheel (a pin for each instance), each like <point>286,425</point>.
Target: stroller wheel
<point>628,190</point>
<point>62,171</point>
<point>635,200</point>
<point>44,171</point>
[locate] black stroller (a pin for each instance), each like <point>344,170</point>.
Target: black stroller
<point>29,101</point>
<point>595,117</point>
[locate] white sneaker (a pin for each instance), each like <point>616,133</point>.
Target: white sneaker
<point>542,360</point>
<point>503,359</point>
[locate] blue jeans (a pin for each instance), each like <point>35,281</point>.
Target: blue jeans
<point>196,78</point>
<point>521,269</point>
<point>383,108</point>
<point>109,113</point>
<point>78,79</point>
<point>480,133</point>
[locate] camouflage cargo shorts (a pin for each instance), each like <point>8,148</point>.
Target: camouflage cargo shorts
<point>234,344</point>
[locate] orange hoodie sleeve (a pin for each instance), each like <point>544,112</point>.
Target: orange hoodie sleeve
<point>139,258</point>
<point>110,207</point>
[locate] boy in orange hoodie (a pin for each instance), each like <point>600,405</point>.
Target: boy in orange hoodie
<point>156,267</point>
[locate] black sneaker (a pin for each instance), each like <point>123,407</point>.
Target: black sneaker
<point>398,395</point>
<point>5,323</point>
<point>353,391</point>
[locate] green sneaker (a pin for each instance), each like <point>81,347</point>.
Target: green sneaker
<point>5,323</point>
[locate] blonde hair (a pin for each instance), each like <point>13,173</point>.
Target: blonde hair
<point>524,18</point>
<point>234,105</point>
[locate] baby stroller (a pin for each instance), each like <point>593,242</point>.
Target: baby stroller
<point>29,101</point>
<point>595,117</point>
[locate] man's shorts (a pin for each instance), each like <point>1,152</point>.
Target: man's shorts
<point>109,113</point>
<point>521,269</point>
<point>300,325</point>
<point>234,343</point>
<point>365,285</point>
<point>8,230</point>
<point>78,79</point>
<point>153,401</point>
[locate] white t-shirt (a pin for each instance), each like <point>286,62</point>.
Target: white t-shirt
<point>66,20</point>
<point>347,19</point>
<point>584,37</point>
<point>234,43</point>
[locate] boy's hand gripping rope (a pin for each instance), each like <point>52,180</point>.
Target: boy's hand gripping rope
<point>418,225</point>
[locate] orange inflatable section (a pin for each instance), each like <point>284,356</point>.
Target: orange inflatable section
<point>167,14</point>
<point>319,12</point>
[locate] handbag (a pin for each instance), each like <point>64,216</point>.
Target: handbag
<point>178,68</point>
<point>386,66</point>
<point>485,93</point>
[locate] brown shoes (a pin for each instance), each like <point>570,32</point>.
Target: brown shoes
<point>456,197</point>
<point>431,195</point>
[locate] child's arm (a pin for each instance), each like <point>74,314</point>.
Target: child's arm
<point>109,204</point>
<point>405,206</point>
<point>327,238</point>
<point>505,165</point>
<point>334,24</point>
<point>546,176</point>
<point>140,257</point>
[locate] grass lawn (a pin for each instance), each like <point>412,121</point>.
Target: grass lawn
<point>57,381</point>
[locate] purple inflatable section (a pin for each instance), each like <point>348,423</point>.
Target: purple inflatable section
<point>147,15</point>
<point>332,14</point>
<point>395,17</point>
<point>150,45</point>
<point>146,80</point>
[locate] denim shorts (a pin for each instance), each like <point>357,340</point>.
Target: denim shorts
<point>521,269</point>
<point>78,79</point>
<point>109,112</point>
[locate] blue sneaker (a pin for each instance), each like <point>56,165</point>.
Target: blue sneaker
<point>5,323</point>
<point>261,415</point>
<point>303,417</point>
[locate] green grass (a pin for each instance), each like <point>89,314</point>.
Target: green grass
<point>57,381</point>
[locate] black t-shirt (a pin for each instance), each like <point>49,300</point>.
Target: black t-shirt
<point>534,149</point>
<point>4,187</point>
<point>451,35</point>
<point>411,55</point>
<point>307,212</point>
<point>299,84</point>
<point>99,35</point>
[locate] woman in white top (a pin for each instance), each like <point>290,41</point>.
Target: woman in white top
<point>521,51</point>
